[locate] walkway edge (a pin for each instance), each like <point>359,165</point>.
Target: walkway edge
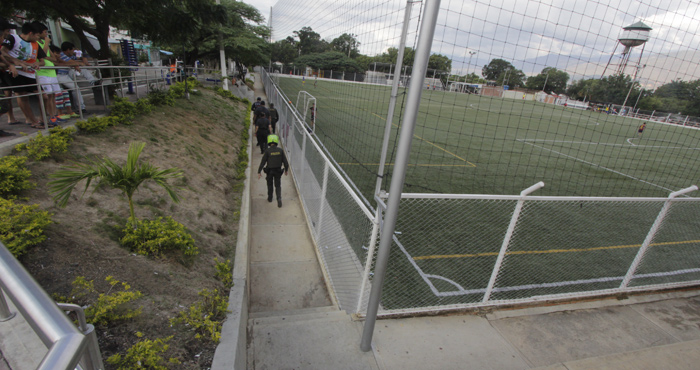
<point>232,349</point>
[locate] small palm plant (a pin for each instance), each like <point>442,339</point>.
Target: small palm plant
<point>127,178</point>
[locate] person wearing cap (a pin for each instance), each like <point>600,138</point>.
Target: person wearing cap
<point>256,105</point>
<point>261,111</point>
<point>277,164</point>
<point>23,50</point>
<point>70,56</point>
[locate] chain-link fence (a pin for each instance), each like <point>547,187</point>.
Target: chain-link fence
<point>495,250</point>
<point>342,225</point>
<point>464,251</point>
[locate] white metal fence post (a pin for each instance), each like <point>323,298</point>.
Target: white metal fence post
<point>652,232</point>
<point>324,188</point>
<point>506,239</point>
<point>5,313</point>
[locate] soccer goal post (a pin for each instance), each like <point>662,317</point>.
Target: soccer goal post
<point>306,103</point>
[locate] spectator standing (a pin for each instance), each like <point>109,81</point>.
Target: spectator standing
<point>47,76</point>
<point>63,103</point>
<point>72,57</point>
<point>24,51</point>
<point>7,71</point>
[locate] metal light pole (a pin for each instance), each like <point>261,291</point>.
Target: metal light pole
<point>471,54</point>
<point>545,81</point>
<point>425,41</point>
<point>222,56</point>
<point>394,94</point>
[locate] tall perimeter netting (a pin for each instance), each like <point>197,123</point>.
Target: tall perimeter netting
<point>599,100</point>
<point>516,93</point>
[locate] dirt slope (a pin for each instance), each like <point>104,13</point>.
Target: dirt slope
<point>202,137</point>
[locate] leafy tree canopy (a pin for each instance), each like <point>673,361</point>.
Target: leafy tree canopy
<point>346,44</point>
<point>550,79</point>
<point>164,20</point>
<point>503,73</point>
<point>310,42</point>
<point>331,60</point>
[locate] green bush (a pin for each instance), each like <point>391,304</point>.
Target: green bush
<point>204,317</point>
<point>21,226</point>
<point>145,354</point>
<point>14,175</point>
<point>224,272</point>
<point>177,90</point>
<point>143,106</point>
<point>158,97</point>
<point>123,110</point>
<point>97,124</point>
<point>105,308</point>
<point>156,237</point>
<point>40,146</point>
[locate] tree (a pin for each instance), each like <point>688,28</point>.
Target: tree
<point>126,178</point>
<point>440,62</point>
<point>310,42</point>
<point>331,60</point>
<point>346,44</point>
<point>581,89</point>
<point>284,51</point>
<point>503,73</point>
<point>243,37</point>
<point>165,20</point>
<point>550,79</point>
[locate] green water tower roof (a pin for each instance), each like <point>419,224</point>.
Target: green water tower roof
<point>638,26</point>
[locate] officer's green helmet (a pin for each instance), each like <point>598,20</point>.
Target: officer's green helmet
<point>273,139</point>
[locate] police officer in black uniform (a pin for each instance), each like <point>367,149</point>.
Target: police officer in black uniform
<point>274,117</point>
<point>262,129</point>
<point>261,111</point>
<point>255,105</point>
<point>275,158</point>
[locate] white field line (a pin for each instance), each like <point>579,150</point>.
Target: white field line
<point>598,166</point>
<point>605,144</point>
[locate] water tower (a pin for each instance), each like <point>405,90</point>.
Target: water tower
<point>632,36</point>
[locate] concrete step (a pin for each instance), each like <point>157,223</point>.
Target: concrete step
<point>301,311</point>
<point>327,313</point>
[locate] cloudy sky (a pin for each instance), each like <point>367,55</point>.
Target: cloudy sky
<point>578,36</point>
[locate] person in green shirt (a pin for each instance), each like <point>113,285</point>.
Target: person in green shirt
<point>47,76</point>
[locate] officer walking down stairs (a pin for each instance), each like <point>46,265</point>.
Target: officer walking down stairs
<point>275,158</point>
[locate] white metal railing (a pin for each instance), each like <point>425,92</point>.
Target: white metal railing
<point>67,346</point>
<point>620,245</point>
<point>141,78</point>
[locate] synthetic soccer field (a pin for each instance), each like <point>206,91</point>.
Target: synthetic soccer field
<point>472,144</point>
<point>445,251</point>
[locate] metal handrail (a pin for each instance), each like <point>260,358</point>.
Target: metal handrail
<point>65,342</point>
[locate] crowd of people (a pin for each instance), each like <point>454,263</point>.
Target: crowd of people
<point>25,53</point>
